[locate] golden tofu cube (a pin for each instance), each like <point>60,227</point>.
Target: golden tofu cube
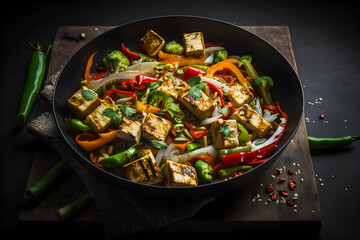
<point>251,120</point>
<point>179,175</point>
<point>201,108</point>
<point>238,95</point>
<point>168,87</point>
<point>97,120</point>
<point>83,102</point>
<point>219,139</point>
<point>152,43</point>
<point>130,128</point>
<point>155,128</point>
<point>194,44</point>
<point>144,170</point>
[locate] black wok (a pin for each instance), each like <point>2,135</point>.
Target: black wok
<point>287,87</point>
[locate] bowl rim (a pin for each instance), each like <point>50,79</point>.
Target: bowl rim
<point>201,186</point>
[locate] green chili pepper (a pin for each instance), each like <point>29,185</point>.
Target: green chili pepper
<point>39,187</point>
<point>223,152</point>
<point>179,127</point>
<point>187,133</point>
<point>228,171</point>
<point>328,143</point>
<point>79,125</point>
<point>243,133</point>
<point>193,146</point>
<point>33,82</point>
<point>120,158</point>
<point>180,137</point>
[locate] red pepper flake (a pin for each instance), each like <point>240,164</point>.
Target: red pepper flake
<point>292,185</point>
<point>274,196</point>
<point>255,191</point>
<point>291,202</point>
<point>284,193</point>
<point>270,188</point>
<point>322,116</point>
<point>290,172</point>
<point>281,180</point>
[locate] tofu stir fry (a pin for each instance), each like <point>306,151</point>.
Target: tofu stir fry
<point>176,113</point>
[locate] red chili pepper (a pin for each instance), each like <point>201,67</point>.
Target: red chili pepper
<point>281,180</point>
<point>215,44</point>
<point>213,88</point>
<point>284,193</point>
<point>274,196</point>
<point>130,83</point>
<point>292,185</point>
<point>290,172</point>
<point>128,53</point>
<point>196,133</point>
<point>191,72</point>
<point>270,188</point>
<point>145,79</point>
<point>291,202</point>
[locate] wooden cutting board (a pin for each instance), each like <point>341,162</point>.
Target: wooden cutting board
<point>247,209</point>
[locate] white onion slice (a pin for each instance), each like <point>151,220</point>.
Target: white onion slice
<point>216,83</point>
<point>183,158</point>
<point>235,57</point>
<point>123,100</point>
<point>211,50</point>
<point>143,67</point>
<point>258,107</point>
<point>159,156</point>
<point>272,139</point>
<point>215,115</point>
<point>270,117</point>
<point>209,59</point>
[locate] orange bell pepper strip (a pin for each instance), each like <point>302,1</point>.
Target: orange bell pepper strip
<point>146,108</point>
<point>182,146</point>
<point>88,66</point>
<point>162,55</point>
<point>228,64</point>
<point>184,61</point>
<point>88,143</point>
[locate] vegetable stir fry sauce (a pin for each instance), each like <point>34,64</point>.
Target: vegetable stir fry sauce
<point>176,113</point>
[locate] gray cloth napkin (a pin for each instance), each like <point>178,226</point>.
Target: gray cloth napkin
<point>122,212</point>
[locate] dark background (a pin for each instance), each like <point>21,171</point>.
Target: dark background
<point>325,38</point>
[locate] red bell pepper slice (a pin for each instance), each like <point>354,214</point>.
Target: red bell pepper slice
<point>247,157</point>
<point>215,44</point>
<point>205,158</point>
<point>196,133</point>
<point>191,72</point>
<point>130,83</point>
<point>213,88</point>
<point>97,75</point>
<point>145,79</point>
<point>128,53</point>
<point>112,91</point>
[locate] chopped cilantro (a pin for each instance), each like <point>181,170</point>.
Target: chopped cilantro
<point>127,110</point>
<point>159,144</point>
<point>225,130</point>
<point>195,91</point>
<point>224,110</point>
<point>114,115</point>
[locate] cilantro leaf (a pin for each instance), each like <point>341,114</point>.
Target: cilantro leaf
<point>225,130</point>
<point>127,110</point>
<point>194,81</point>
<point>223,110</point>
<point>88,95</point>
<point>114,115</point>
<point>195,91</point>
<point>159,144</point>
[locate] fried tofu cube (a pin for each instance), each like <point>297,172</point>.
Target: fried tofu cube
<point>179,175</point>
<point>167,87</point>
<point>194,44</point>
<point>180,86</point>
<point>130,128</point>
<point>238,95</point>
<point>251,120</point>
<point>155,128</point>
<point>152,43</point>
<point>97,120</point>
<point>219,139</point>
<point>144,170</point>
<point>201,108</point>
<point>83,102</point>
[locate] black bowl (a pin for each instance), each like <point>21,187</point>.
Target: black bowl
<point>287,88</point>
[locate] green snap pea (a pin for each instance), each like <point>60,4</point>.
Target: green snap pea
<point>79,125</point>
<point>329,143</point>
